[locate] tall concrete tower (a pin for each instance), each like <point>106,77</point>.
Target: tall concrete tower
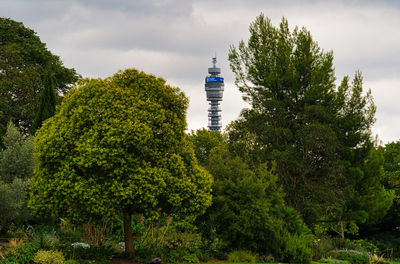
<point>214,88</point>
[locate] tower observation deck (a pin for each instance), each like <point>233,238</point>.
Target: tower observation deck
<point>214,88</point>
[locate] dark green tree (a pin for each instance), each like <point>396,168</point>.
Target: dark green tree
<point>117,147</point>
<point>318,134</point>
<point>23,63</point>
<point>203,142</point>
<point>248,209</point>
<point>385,232</point>
<point>16,170</point>
<point>16,159</point>
<point>48,99</point>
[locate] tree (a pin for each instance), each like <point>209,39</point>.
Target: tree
<point>385,231</point>
<point>248,210</point>
<point>116,147</point>
<point>203,142</point>
<point>16,169</point>
<point>16,160</point>
<point>48,102</point>
<point>23,63</point>
<point>318,134</point>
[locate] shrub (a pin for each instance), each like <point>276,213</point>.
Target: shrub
<point>78,252</point>
<point>71,261</point>
<point>44,237</point>
<point>176,246</point>
<point>266,259</point>
<point>178,255</point>
<point>353,256</point>
<point>334,261</point>
<point>297,249</point>
<point>13,202</point>
<point>322,246</point>
<point>22,254</point>
<point>364,245</point>
<point>242,256</point>
<point>327,247</point>
<point>49,257</point>
<point>375,259</point>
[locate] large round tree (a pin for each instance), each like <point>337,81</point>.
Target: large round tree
<point>117,147</point>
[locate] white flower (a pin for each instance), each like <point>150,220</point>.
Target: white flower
<point>80,244</point>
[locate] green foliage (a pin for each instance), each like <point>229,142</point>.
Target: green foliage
<point>384,240</point>
<point>296,249</point>
<point>49,257</point>
<point>48,102</point>
<point>318,134</point>
<point>245,206</point>
<point>177,255</point>
<point>117,147</point>
<point>385,231</point>
<point>327,246</point>
<point>248,210</point>
<point>13,202</point>
<point>334,261</point>
<point>44,237</point>
<point>23,62</point>
<point>16,159</point>
<point>204,141</point>
<point>81,254</point>
<point>242,256</point>
<point>16,169</point>
<point>22,254</point>
<point>353,256</point>
<point>176,246</point>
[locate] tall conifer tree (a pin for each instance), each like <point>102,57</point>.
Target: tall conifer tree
<point>47,105</point>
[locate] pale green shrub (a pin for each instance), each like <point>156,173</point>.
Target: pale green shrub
<point>334,261</point>
<point>242,256</point>
<point>49,257</point>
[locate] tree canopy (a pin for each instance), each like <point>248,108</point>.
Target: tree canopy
<point>16,170</point>
<point>117,147</point>
<point>318,134</point>
<point>23,63</point>
<point>248,209</point>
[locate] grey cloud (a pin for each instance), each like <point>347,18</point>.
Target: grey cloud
<point>176,38</point>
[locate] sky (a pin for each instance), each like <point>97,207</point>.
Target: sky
<point>176,39</point>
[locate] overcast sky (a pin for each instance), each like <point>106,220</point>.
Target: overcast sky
<point>175,39</point>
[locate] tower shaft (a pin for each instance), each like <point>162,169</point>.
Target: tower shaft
<point>214,86</point>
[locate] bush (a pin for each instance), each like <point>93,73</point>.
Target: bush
<point>334,261</point>
<point>44,237</point>
<point>353,256</point>
<point>297,249</point>
<point>375,259</point>
<point>80,253</point>
<point>13,202</point>
<point>327,247</point>
<point>178,255</point>
<point>22,254</point>
<point>49,257</point>
<point>242,256</point>
<point>177,246</point>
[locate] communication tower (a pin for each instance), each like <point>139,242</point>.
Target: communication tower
<point>214,88</point>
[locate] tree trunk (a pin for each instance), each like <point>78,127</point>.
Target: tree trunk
<point>128,234</point>
<point>341,229</point>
